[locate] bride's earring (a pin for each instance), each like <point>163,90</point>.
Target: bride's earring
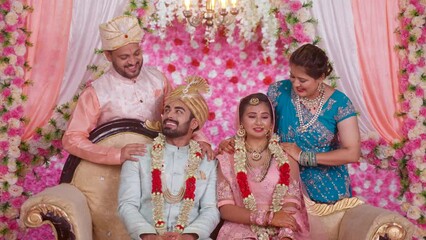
<point>241,132</point>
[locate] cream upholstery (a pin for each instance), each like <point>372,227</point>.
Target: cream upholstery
<point>355,220</point>
<point>88,205</point>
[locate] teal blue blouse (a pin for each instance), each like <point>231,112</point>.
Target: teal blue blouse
<point>324,184</point>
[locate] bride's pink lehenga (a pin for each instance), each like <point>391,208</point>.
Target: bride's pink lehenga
<point>229,193</point>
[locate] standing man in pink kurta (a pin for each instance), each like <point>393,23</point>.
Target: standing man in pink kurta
<point>127,90</point>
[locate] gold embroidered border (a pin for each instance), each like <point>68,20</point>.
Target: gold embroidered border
<point>322,209</point>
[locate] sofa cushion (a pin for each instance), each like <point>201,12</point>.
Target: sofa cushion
<point>99,183</point>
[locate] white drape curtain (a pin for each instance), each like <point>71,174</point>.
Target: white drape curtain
<point>336,29</point>
<point>84,38</point>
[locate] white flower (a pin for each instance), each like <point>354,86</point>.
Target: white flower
<point>419,152</point>
<point>14,152</point>
<point>413,113</point>
<point>20,50</point>
<point>11,165</point>
<point>413,79</point>
<point>218,102</point>
<point>418,21</point>
<point>416,187</point>
<point>19,71</point>
<point>12,59</point>
<point>229,73</point>
<point>61,124</point>
<point>212,74</point>
<point>11,18</point>
<point>384,164</point>
<point>418,200</point>
<point>385,152</point>
<point>416,102</point>
<point>417,32</point>
<point>303,15</point>
<point>2,25</point>
<point>309,30</point>
<point>412,57</point>
<point>14,123</point>
<point>409,11</point>
<point>15,190</point>
<point>413,212</point>
<point>367,184</point>
<point>17,7</point>
<point>11,178</point>
<point>33,149</point>
<point>14,141</point>
<point>423,176</point>
<point>402,53</point>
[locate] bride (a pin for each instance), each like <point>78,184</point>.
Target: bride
<point>258,188</point>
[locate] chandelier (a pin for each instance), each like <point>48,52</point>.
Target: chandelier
<point>212,19</point>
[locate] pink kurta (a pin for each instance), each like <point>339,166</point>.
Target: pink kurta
<point>112,97</point>
<point>228,192</point>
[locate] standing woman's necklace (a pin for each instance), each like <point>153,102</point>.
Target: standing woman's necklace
<point>303,127</point>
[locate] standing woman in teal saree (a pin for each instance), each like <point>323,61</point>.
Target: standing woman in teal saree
<point>317,124</point>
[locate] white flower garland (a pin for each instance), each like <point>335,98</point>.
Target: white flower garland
<point>157,195</point>
<point>280,190</point>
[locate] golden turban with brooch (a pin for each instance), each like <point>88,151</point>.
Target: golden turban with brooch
<point>119,32</point>
<point>190,94</point>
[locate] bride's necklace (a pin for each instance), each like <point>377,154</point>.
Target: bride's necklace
<point>264,169</point>
<point>303,127</point>
<point>256,155</point>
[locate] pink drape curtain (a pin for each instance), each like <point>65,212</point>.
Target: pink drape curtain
<point>50,25</point>
<point>375,23</point>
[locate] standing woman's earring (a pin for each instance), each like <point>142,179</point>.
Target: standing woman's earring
<point>241,132</point>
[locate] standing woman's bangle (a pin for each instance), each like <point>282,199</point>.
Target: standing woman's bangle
<point>308,159</point>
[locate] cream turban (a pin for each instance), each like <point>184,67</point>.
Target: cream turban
<point>190,94</point>
<point>119,32</point>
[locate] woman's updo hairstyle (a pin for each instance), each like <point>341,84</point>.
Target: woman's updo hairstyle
<point>313,59</point>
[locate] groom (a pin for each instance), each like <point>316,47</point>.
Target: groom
<point>170,193</point>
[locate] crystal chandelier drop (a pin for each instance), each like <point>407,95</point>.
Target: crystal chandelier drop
<point>211,18</point>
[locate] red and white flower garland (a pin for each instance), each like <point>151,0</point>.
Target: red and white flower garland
<point>280,190</point>
<point>157,167</point>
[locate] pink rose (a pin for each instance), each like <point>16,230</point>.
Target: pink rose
<point>6,6</point>
<point>6,92</point>
<point>8,51</point>
<point>295,6</point>
<point>419,92</point>
<point>9,70</point>
<point>57,143</point>
<point>20,60</point>
<point>405,106</point>
<point>18,81</point>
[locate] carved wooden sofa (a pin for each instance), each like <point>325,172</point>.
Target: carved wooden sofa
<point>352,219</point>
<point>84,204</point>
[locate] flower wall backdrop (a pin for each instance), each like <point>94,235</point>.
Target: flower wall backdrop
<point>243,61</point>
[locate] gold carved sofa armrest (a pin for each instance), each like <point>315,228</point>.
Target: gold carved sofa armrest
<point>64,207</point>
<point>373,223</point>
